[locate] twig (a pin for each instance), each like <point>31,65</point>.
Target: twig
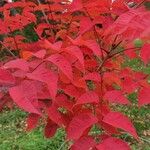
<point>132,48</point>
<point>136,6</point>
<point>8,50</point>
<point>38,66</point>
<point>110,56</point>
<point>103,62</point>
<point>43,12</point>
<point>114,47</point>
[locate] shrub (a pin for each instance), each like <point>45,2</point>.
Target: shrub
<point>63,63</point>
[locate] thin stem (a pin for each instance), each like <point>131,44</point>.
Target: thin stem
<point>45,16</point>
<point>114,47</point>
<point>101,65</point>
<point>132,48</point>
<point>115,39</point>
<point>141,138</point>
<point>136,6</point>
<point>110,56</point>
<point>8,50</point>
<point>43,12</point>
<point>38,66</point>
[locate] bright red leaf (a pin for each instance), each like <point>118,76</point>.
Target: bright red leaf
<point>48,77</point>
<point>50,129</point>
<point>32,121</point>
<point>118,120</point>
<point>88,97</point>
<point>62,64</point>
<point>24,96</point>
<point>116,96</point>
<point>145,53</point>
<point>84,143</point>
<point>18,64</point>
<point>6,77</point>
<point>144,96</point>
<point>112,143</point>
<point>79,124</point>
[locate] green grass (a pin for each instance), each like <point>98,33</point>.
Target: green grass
<point>14,137</point>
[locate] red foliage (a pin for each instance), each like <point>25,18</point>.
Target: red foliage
<point>68,77</point>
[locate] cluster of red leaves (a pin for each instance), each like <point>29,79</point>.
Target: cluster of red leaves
<point>70,77</point>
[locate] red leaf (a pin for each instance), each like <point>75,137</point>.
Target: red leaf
<point>85,25</point>
<point>40,54</point>
<point>62,63</point>
<point>63,101</point>
<point>116,97</point>
<point>46,76</point>
<point>42,91</point>
<point>72,91</point>
<point>112,143</point>
<point>79,124</point>
<point>50,129</point>
<point>6,77</point>
<point>91,44</point>
<point>1,95</point>
<point>145,53</point>
<point>118,120</point>
<point>125,85</point>
<point>75,6</point>
<point>32,121</point>
<point>94,76</point>
<point>144,96</point>
<point>74,50</point>
<point>56,46</point>
<point>55,115</point>
<point>88,97</point>
<point>84,143</point>
<point>18,64</point>
<point>24,95</point>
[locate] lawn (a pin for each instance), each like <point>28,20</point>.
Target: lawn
<point>14,137</point>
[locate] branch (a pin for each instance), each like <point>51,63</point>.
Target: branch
<point>110,56</point>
